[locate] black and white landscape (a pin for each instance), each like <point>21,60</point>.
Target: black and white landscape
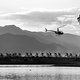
<point>39,27</point>
<point>14,39</point>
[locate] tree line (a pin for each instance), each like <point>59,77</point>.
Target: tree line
<point>30,54</point>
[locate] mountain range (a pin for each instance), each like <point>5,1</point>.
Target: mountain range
<point>14,39</point>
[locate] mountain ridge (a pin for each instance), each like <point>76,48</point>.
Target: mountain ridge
<point>16,43</point>
<point>64,42</point>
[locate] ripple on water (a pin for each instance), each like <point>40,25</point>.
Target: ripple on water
<point>39,73</point>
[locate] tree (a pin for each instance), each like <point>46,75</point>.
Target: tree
<point>55,54</point>
<point>19,54</point>
<point>14,54</point>
<point>37,55</point>
<point>30,54</point>
<point>59,54</point>
<point>42,54</point>
<point>27,55</point>
<point>71,55</point>
<point>48,55</point>
<point>67,55</point>
<point>1,55</point>
<point>76,55</point>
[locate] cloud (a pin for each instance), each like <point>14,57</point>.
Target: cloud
<point>38,19</point>
<point>68,19</point>
<point>45,17</point>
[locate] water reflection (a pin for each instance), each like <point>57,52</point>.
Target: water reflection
<point>39,73</point>
<point>41,77</point>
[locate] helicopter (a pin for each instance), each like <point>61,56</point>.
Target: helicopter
<point>58,32</point>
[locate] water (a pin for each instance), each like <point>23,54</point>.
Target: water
<point>39,73</point>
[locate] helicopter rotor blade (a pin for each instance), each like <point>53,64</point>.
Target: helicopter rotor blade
<point>62,26</point>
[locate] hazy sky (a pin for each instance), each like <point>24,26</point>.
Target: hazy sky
<point>43,13</point>
<point>17,5</point>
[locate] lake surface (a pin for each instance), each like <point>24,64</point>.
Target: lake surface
<point>39,73</point>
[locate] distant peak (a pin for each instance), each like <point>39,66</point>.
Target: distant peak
<point>11,27</point>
